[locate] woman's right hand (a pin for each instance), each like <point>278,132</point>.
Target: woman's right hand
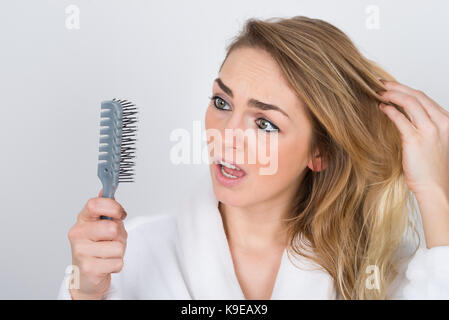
<point>98,246</point>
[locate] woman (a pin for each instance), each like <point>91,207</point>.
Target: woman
<point>335,221</point>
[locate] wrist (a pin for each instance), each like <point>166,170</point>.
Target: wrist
<point>434,208</point>
<point>435,195</point>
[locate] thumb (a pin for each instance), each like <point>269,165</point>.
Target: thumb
<point>101,193</point>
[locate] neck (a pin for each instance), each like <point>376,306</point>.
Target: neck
<point>256,227</point>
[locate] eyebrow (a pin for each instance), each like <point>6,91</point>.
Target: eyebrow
<point>251,102</point>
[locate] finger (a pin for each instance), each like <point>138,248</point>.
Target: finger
<point>402,123</point>
<point>412,107</point>
<point>96,207</point>
<point>99,249</point>
<point>104,230</point>
<point>433,109</point>
<point>99,266</point>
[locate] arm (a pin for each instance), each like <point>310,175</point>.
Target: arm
<point>425,146</point>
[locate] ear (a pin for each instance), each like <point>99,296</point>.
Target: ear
<point>320,164</point>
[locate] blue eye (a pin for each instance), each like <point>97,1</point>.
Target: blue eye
<point>221,102</point>
<point>265,124</point>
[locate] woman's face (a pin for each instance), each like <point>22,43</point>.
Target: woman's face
<point>250,74</point>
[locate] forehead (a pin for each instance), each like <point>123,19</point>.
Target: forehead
<point>253,73</point>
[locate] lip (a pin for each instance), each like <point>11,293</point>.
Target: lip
<point>225,181</point>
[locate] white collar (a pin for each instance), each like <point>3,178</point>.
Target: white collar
<point>208,261</point>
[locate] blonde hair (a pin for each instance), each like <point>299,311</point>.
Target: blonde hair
<point>354,213</point>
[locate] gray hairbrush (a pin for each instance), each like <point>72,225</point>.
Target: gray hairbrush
<point>117,145</point>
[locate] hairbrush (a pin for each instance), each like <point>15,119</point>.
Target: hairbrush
<point>118,127</point>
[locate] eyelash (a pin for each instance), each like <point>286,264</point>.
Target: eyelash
<point>213,99</point>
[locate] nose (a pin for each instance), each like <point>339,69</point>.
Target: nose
<point>234,132</point>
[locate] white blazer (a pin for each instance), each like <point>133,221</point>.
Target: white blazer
<point>184,254</point>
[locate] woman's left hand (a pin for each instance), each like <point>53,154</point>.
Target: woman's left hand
<point>425,148</point>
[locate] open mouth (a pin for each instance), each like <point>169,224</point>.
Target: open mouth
<point>227,173</point>
<point>230,170</point>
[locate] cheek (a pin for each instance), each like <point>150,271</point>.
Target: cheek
<point>291,161</point>
<point>215,119</point>
<point>209,120</point>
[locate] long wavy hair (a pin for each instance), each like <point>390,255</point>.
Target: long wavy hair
<point>357,212</point>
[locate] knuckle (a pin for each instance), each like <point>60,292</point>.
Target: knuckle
<point>119,265</point>
<point>121,213</point>
<point>432,130</point>
<point>122,250</point>
<point>384,94</point>
<point>91,205</point>
<point>390,95</point>
<point>114,208</point>
<point>420,93</point>
<point>411,138</point>
<point>113,230</point>
<point>73,233</point>
<point>116,247</point>
<point>70,235</point>
<point>409,99</point>
<point>88,268</point>
<point>117,211</point>
<point>77,251</point>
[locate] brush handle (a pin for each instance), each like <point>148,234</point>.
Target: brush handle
<point>109,188</point>
<point>108,192</point>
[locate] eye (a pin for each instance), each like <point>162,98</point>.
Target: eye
<point>219,103</point>
<point>266,125</point>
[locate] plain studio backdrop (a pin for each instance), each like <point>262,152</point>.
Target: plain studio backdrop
<point>60,59</point>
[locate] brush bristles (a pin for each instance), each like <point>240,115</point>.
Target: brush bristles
<point>127,147</point>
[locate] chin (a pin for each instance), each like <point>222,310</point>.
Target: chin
<point>235,196</point>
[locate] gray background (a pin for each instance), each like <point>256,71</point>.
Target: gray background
<point>163,55</point>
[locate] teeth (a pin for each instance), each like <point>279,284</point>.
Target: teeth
<point>227,174</point>
<point>228,165</point>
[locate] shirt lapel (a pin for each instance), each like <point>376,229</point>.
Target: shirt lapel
<point>208,262</point>
<point>207,257</point>
<point>299,278</point>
